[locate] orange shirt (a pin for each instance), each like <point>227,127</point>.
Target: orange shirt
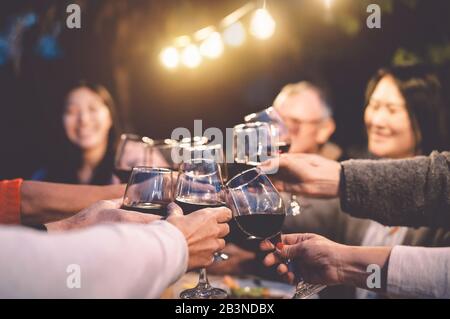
<point>10,201</point>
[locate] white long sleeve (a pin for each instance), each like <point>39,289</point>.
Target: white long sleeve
<point>115,261</point>
<point>419,272</point>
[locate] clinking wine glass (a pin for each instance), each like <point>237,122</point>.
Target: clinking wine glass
<point>279,130</point>
<point>133,150</point>
<point>149,190</point>
<point>208,151</point>
<point>200,186</point>
<point>281,142</point>
<point>259,211</point>
<point>256,204</point>
<point>251,146</point>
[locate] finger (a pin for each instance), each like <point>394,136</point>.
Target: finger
<point>266,245</point>
<point>222,214</point>
<point>127,216</point>
<point>224,230</point>
<point>272,259</point>
<point>290,251</point>
<point>174,209</point>
<point>117,202</point>
<point>282,269</point>
<point>291,239</point>
<point>107,204</point>
<point>290,277</point>
<point>220,244</point>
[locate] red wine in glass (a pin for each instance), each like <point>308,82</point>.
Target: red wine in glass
<point>189,206</point>
<point>148,208</point>
<point>283,147</point>
<point>123,175</point>
<point>261,226</point>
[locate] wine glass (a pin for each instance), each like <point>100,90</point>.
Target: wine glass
<point>200,186</point>
<point>207,151</point>
<point>258,208</point>
<point>161,153</point>
<point>149,190</point>
<point>259,211</point>
<point>281,142</point>
<point>133,150</point>
<point>278,129</point>
<point>251,146</point>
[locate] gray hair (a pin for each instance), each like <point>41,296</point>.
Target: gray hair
<point>300,87</point>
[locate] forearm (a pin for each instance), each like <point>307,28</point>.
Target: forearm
<point>114,261</point>
<point>414,192</point>
<point>419,272</point>
<point>354,267</point>
<point>43,202</point>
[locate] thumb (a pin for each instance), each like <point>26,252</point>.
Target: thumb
<point>174,210</point>
<point>117,201</point>
<point>289,251</point>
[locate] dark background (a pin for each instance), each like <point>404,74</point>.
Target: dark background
<point>119,43</point>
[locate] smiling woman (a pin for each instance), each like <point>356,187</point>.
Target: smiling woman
<point>405,115</point>
<point>90,127</point>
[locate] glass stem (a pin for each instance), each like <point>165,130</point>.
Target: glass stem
<point>203,278</point>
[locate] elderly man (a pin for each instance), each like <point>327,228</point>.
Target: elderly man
<point>309,118</point>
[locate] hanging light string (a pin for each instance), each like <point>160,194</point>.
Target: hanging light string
<point>210,42</point>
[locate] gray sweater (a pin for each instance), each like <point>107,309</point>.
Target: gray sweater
<point>412,192</point>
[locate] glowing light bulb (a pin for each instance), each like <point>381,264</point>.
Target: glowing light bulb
<point>262,24</point>
<point>191,57</point>
<point>234,35</point>
<point>170,57</point>
<point>212,46</point>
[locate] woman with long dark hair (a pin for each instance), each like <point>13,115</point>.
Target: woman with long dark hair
<point>90,127</point>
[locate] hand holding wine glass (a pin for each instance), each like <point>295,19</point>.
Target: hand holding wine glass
<point>199,187</point>
<point>204,231</point>
<point>314,258</point>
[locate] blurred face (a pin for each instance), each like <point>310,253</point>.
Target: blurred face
<point>389,128</point>
<point>308,128</point>
<point>86,119</point>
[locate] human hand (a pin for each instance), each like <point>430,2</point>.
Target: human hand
<point>305,174</point>
<point>204,231</point>
<point>101,212</point>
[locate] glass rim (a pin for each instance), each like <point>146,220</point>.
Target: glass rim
<point>191,160</point>
<point>257,169</point>
<point>151,169</point>
<point>204,147</point>
<point>252,125</point>
<point>248,118</point>
<point>137,138</point>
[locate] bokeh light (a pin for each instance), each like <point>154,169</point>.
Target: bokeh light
<point>212,46</point>
<point>191,56</point>
<point>170,57</point>
<point>234,35</point>
<point>262,25</point>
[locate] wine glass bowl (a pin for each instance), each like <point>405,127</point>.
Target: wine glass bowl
<point>133,150</point>
<point>149,190</point>
<point>256,204</point>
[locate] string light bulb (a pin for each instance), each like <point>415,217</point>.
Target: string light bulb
<point>262,25</point>
<point>234,35</point>
<point>191,57</point>
<point>170,57</point>
<point>212,46</point>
